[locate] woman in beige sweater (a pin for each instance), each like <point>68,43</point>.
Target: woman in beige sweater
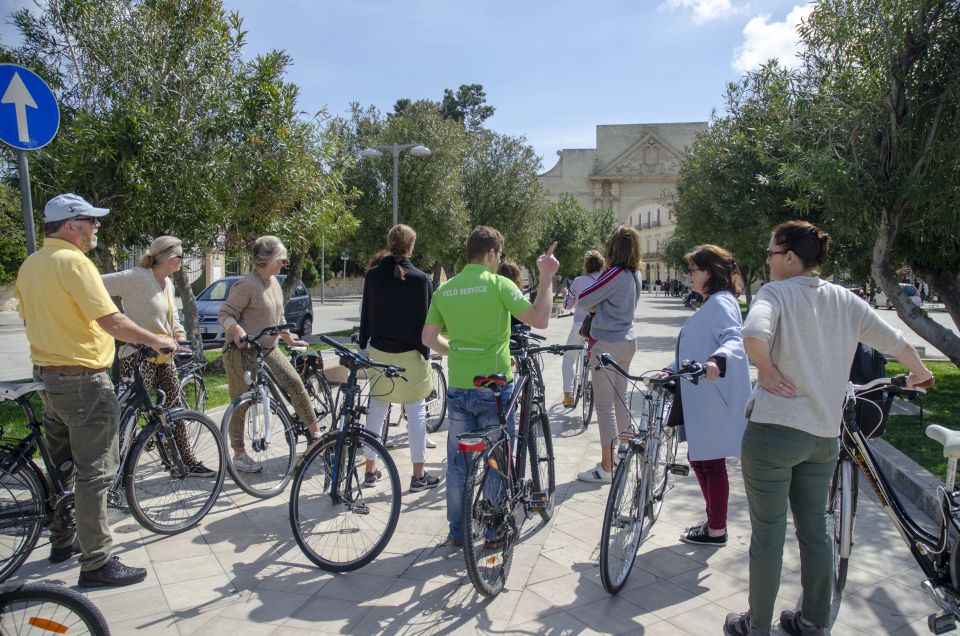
<point>147,296</point>
<point>255,303</point>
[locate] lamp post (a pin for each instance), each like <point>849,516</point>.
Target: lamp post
<point>375,152</point>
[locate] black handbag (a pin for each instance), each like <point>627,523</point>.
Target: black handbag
<point>585,327</point>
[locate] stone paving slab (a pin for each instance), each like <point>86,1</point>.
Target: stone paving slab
<point>240,571</point>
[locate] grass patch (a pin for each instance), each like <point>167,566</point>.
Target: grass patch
<point>940,406</point>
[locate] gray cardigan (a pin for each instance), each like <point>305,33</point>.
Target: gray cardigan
<point>614,294</point>
<point>813,328</point>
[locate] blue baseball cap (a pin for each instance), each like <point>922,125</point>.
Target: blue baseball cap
<point>67,206</point>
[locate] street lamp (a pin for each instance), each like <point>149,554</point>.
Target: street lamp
<point>375,152</point>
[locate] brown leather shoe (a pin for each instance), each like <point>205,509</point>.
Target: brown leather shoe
<point>568,400</point>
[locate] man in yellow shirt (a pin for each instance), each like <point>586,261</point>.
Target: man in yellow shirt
<point>71,323</point>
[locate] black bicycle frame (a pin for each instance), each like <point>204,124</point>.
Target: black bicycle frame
<point>922,542</point>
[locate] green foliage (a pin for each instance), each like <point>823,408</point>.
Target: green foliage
<point>575,230</point>
<point>467,106</point>
<point>13,247</point>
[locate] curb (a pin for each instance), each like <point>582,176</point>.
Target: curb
<point>916,484</point>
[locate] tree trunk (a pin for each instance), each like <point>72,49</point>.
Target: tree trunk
<point>436,273</point>
<point>748,278</point>
<point>294,274</point>
<point>190,322</point>
<point>911,314</point>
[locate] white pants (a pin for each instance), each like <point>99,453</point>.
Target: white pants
<point>416,425</point>
<point>570,357</point>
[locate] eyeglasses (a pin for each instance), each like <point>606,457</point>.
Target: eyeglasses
<point>91,219</point>
<point>500,254</point>
<point>691,270</point>
<point>180,256</point>
<point>769,252</point>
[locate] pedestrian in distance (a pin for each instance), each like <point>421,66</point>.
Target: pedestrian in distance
<point>255,303</point>
<point>71,322</point>
<point>712,412</point>
<point>147,296</point>
<point>473,308</point>
<point>614,298</point>
<point>801,333</point>
<point>396,296</point>
<point>593,264</point>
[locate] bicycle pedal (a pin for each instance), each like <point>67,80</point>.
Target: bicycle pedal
<point>360,509</point>
<point>941,623</point>
<point>538,502</point>
<point>679,469</point>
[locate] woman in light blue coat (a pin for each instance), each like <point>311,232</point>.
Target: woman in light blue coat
<point>713,411</point>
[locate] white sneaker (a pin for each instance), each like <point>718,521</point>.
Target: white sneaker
<point>431,443</point>
<point>245,464</point>
<point>596,475</point>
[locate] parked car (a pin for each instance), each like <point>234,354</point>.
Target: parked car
<point>299,309</point>
<point>881,300</point>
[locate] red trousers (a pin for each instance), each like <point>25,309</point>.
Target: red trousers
<point>712,475</point>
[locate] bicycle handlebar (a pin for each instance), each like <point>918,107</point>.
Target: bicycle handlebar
<point>267,331</point>
<point>554,349</point>
<point>898,383</point>
<point>390,369</point>
<point>688,370</point>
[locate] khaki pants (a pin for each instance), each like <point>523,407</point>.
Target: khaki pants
<point>610,389</point>
<point>80,421</point>
<point>236,361</point>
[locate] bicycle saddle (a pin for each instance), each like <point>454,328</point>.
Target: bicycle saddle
<point>13,390</point>
<point>489,381</point>
<point>949,438</point>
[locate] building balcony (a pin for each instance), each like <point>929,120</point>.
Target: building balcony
<point>652,256</point>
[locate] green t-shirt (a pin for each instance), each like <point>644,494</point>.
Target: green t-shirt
<point>476,305</point>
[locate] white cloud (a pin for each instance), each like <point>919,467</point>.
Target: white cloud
<point>704,10</point>
<point>763,39</point>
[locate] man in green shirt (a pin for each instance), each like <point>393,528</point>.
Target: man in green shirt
<point>475,306</point>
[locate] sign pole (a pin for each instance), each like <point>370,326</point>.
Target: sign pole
<point>26,202</point>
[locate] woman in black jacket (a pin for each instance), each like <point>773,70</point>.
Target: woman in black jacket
<point>396,296</point>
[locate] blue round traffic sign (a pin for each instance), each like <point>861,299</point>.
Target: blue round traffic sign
<point>29,115</point>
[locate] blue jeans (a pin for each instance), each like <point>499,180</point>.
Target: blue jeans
<point>468,410</point>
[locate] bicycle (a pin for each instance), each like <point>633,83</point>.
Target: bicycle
<point>647,456</point>
<point>193,390</point>
<point>309,366</point>
<point>937,553</point>
<point>271,430</point>
<point>342,514</point>
<point>165,492</point>
<point>584,389</point>
<point>498,497</point>
<point>435,404</point>
<point>39,608</point>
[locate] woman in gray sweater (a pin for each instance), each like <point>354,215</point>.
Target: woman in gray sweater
<point>801,334</point>
<point>613,298</point>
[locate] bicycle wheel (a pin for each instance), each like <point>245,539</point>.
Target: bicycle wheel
<point>436,402</point>
<point>385,427</point>
<point>41,608</point>
<point>842,508</point>
<point>320,395</point>
<point>623,519</point>
<point>193,392</point>
<point>345,530</point>
<point>542,470</point>
<point>666,455</point>
<point>163,495</point>
<point>21,515</point>
<point>487,544</point>
<point>587,406</point>
<point>273,459</point>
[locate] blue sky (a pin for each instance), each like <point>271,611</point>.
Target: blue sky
<point>553,70</point>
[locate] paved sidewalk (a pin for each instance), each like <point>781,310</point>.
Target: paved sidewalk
<point>240,571</point>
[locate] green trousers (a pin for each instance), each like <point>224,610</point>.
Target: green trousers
<point>80,421</point>
<point>782,465</point>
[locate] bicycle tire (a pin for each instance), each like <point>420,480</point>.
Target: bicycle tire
<point>320,396</point>
<point>276,460</point>
<point>436,403</point>
<point>324,529</point>
<point>842,508</point>
<point>193,392</point>
<point>385,427</point>
<point>22,515</point>
<point>47,608</point>
<point>666,455</point>
<point>485,521</point>
<point>623,519</point>
<point>160,500</point>
<point>542,468</point>
<point>587,407</point>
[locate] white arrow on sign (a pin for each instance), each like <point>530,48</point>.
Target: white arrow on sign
<point>18,95</point>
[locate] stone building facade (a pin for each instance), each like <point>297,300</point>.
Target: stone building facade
<point>632,171</point>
